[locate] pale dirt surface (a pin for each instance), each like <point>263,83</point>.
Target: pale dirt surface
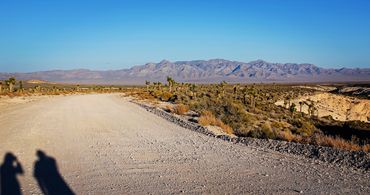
<point>319,88</point>
<point>104,144</point>
<point>340,107</point>
<point>7,102</point>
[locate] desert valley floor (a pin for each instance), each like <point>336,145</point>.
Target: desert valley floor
<point>104,144</point>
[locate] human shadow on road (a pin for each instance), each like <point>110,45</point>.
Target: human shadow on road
<point>48,177</point>
<point>8,175</point>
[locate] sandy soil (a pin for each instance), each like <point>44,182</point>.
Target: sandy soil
<point>104,144</point>
<point>9,102</point>
<point>340,107</point>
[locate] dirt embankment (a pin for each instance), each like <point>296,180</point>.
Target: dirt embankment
<point>340,107</point>
<point>357,159</point>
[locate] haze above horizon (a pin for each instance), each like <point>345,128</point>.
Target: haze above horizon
<point>112,34</point>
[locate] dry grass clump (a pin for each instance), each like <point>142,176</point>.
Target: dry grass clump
<point>181,109</point>
<point>366,148</point>
<point>323,140</point>
<point>11,95</point>
<point>169,108</point>
<point>166,96</point>
<point>142,95</point>
<point>207,118</point>
<point>286,135</point>
<point>337,142</point>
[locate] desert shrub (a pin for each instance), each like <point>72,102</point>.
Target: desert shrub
<point>207,118</point>
<point>230,113</point>
<point>307,129</point>
<point>143,95</point>
<point>277,125</point>
<point>302,127</point>
<point>184,99</point>
<point>165,96</point>
<point>181,109</point>
<point>267,131</point>
<point>255,133</point>
<point>366,148</point>
<point>203,104</point>
<point>156,94</point>
<point>285,135</point>
<point>235,115</point>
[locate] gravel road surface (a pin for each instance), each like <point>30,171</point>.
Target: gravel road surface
<point>103,144</point>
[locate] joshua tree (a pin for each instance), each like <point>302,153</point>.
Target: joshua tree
<point>10,83</point>
<point>192,90</point>
<point>285,103</point>
<point>1,87</point>
<point>159,86</point>
<point>21,85</point>
<point>311,108</point>
<point>38,88</point>
<point>193,87</point>
<point>222,86</point>
<point>300,106</point>
<point>181,87</point>
<point>171,83</point>
<point>287,99</point>
<point>316,112</point>
<point>253,95</point>
<point>147,83</point>
<point>218,93</point>
<point>292,108</point>
<point>245,94</point>
<point>235,91</point>
<point>186,88</point>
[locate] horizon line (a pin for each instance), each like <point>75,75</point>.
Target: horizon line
<point>176,61</point>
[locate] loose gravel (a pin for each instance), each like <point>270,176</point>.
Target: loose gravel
<point>357,159</point>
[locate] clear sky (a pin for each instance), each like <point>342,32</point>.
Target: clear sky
<point>115,34</point>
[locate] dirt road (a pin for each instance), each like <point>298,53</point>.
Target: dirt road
<point>103,144</point>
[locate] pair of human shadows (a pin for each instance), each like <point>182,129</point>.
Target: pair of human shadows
<point>45,172</point>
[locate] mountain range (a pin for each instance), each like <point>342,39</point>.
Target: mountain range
<point>202,71</point>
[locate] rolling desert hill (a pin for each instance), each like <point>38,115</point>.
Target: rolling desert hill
<point>202,71</point>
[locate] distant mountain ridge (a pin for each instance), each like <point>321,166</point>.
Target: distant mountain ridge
<point>202,71</point>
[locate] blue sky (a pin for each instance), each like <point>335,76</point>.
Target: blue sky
<point>114,34</point>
